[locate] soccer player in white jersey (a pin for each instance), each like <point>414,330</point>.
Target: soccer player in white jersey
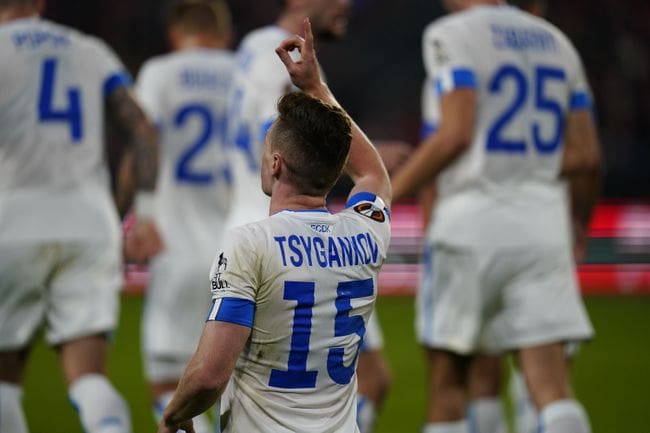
<point>293,293</point>
<point>59,229</point>
<point>259,81</point>
<point>185,93</point>
<point>515,122</point>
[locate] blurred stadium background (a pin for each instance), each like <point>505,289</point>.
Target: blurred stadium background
<point>377,74</point>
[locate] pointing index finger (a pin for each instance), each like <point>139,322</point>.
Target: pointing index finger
<point>309,37</point>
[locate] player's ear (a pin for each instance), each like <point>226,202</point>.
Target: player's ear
<point>276,165</point>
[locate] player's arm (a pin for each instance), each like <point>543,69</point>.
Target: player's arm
<point>582,165</point>
<point>141,137</point>
<point>141,159</point>
<point>458,113</point>
<point>427,200</point>
<point>206,375</point>
<point>364,165</point>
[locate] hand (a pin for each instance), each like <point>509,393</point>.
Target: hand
<point>185,426</point>
<point>305,72</point>
<point>143,241</point>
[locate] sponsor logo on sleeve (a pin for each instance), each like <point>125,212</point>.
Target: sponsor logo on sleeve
<point>217,281</point>
<point>371,211</point>
<point>439,52</point>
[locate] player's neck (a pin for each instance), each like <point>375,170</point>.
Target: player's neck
<point>472,3</point>
<point>192,42</point>
<point>287,198</point>
<point>11,14</point>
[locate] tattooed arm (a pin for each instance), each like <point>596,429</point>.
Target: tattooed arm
<point>138,171</point>
<point>141,137</point>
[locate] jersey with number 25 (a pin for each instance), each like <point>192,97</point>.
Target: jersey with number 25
<point>527,76</point>
<point>305,282</point>
<point>54,181</point>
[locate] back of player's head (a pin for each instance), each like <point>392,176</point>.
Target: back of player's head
<point>6,4</point>
<point>209,17</point>
<point>314,140</point>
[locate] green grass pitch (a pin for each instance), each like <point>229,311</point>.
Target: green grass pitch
<point>611,375</point>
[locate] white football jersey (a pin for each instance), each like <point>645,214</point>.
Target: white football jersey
<point>505,188</point>
<point>54,181</point>
<point>305,282</point>
<point>259,80</point>
<point>185,94</point>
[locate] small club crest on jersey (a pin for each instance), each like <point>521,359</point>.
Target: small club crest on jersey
<point>440,52</point>
<point>371,211</point>
<point>217,282</point>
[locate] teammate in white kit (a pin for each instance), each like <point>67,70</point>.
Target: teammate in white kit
<point>515,121</point>
<point>293,292</point>
<point>185,93</point>
<point>259,81</point>
<point>61,263</point>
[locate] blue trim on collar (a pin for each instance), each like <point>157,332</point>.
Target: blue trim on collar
<point>306,210</point>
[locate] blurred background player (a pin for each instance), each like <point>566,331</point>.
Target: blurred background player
<point>484,378</point>
<point>288,323</point>
<point>502,274</point>
<point>185,93</point>
<point>260,79</point>
<point>59,229</point>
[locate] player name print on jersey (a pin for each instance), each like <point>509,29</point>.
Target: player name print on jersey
<point>327,252</point>
<point>35,38</point>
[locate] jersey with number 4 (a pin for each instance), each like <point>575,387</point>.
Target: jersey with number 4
<point>54,181</point>
<point>505,188</point>
<point>185,94</point>
<point>305,282</point>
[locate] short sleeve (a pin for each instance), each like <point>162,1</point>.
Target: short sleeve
<point>149,91</point>
<point>430,110</point>
<point>234,279</point>
<point>446,58</point>
<point>580,97</point>
<point>372,212</point>
<point>373,206</point>
<point>111,68</point>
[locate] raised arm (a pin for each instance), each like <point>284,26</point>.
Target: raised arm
<point>364,165</point>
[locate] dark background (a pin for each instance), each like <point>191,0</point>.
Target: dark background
<point>377,73</point>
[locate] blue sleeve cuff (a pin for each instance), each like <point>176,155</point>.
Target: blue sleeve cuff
<point>117,80</point>
<point>580,101</point>
<point>232,310</point>
<point>454,79</point>
<point>359,197</point>
<point>427,129</point>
